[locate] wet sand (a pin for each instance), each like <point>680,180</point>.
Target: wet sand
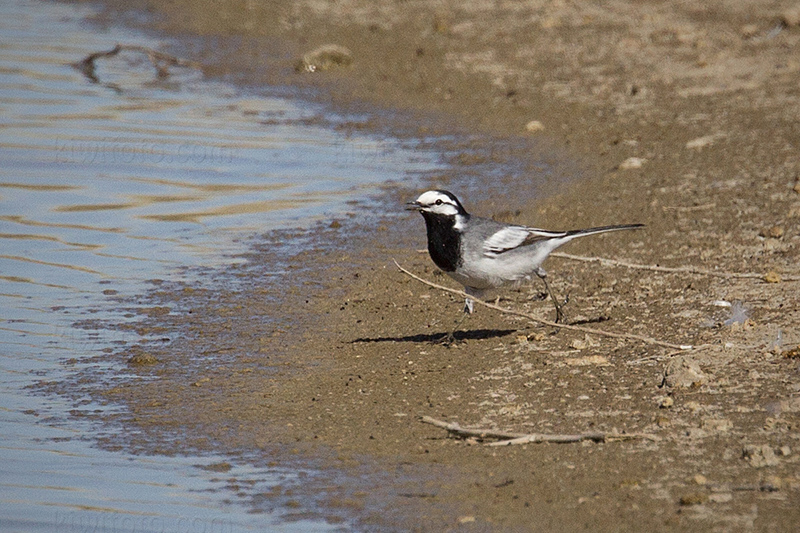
<point>679,116</point>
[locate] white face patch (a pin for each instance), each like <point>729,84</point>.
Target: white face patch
<point>437,203</point>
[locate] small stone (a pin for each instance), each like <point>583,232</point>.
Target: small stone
<point>325,57</point>
<point>582,344</point>
<point>785,451</point>
<point>632,163</point>
<point>796,187</point>
<point>721,425</point>
<point>534,126</point>
<point>700,479</point>
<point>666,402</point>
<point>142,359</point>
<point>466,519</point>
<point>587,361</point>
<point>794,353</point>
<point>684,372</point>
<point>578,344</point>
<point>696,433</point>
<point>774,232</point>
<point>749,31</point>
<point>701,142</point>
<point>693,406</point>
<point>221,467</point>
<point>772,277</point>
<point>791,16</point>
<point>760,456</point>
<point>694,498</point>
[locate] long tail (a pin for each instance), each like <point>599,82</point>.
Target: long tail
<point>554,239</point>
<point>600,229</point>
<point>564,236</point>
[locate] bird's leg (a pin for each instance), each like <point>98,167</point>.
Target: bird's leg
<point>469,308</point>
<point>450,338</point>
<point>559,312</point>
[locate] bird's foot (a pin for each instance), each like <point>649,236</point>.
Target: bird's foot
<point>561,317</point>
<point>448,339</point>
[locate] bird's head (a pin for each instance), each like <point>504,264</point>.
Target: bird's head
<point>438,202</point>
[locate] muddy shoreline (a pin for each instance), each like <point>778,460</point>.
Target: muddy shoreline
<point>680,117</point>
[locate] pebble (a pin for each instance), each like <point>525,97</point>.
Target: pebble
<point>749,31</point>
<point>700,479</point>
<point>773,232</point>
<point>586,361</point>
<point>663,422</point>
<point>142,359</point>
<point>534,126</point>
<point>666,402</point>
<point>684,372</point>
<point>721,425</point>
<point>701,142</point>
<point>695,498</point>
<point>760,456</point>
<point>325,57</point>
<point>632,163</point>
<point>772,277</point>
<point>794,353</point>
<point>582,344</point>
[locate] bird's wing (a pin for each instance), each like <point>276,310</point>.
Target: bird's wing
<point>512,237</point>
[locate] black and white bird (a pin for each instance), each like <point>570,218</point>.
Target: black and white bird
<point>484,254</point>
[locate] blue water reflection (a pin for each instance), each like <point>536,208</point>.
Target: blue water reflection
<point>104,186</point>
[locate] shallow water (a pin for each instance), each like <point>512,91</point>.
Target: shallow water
<point>104,186</point>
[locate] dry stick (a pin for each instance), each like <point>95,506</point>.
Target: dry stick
<point>509,438</point>
<point>87,65</point>
<point>629,336</point>
<point>674,270</point>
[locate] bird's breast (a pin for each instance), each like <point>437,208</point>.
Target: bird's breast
<point>444,244</point>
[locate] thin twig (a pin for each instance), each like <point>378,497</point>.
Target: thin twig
<point>656,357</point>
<point>160,60</point>
<point>509,438</point>
<point>674,270</point>
<point>583,329</point>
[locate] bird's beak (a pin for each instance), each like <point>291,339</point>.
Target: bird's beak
<point>412,206</point>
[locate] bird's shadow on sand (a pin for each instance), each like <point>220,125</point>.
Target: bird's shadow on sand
<point>473,334</point>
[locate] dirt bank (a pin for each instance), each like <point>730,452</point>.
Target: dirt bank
<point>678,115</point>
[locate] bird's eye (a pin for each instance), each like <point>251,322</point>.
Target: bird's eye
<point>439,201</point>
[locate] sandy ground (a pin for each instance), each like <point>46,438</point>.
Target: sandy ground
<point>680,115</point>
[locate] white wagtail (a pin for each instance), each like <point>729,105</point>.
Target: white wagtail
<point>483,254</point>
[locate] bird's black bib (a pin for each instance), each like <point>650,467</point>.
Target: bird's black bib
<point>443,241</point>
